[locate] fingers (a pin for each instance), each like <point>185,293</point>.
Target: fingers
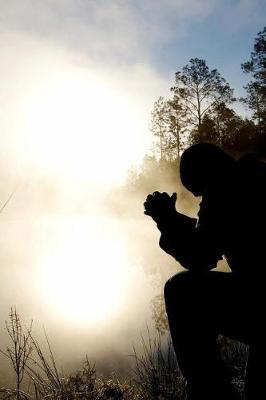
<point>151,197</point>
<point>146,204</point>
<point>163,195</point>
<point>154,195</point>
<point>174,197</point>
<point>157,196</point>
<point>151,203</point>
<point>159,203</point>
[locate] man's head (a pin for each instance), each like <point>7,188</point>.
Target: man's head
<point>203,166</point>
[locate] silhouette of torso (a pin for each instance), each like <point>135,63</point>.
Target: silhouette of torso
<point>231,223</point>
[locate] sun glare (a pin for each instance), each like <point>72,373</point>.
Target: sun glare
<point>82,134</point>
<point>85,277</point>
<point>81,129</point>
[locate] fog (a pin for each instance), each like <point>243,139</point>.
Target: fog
<point>78,256</point>
<point>75,102</point>
<point>75,270</point>
<point>69,133</point>
<point>81,267</point>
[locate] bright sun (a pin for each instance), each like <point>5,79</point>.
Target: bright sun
<point>81,134</point>
<point>85,278</point>
<point>82,129</point>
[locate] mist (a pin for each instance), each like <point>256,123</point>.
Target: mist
<point>70,129</point>
<point>77,85</point>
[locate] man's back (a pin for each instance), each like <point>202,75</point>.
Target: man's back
<point>240,213</point>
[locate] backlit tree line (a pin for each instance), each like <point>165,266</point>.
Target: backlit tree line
<point>200,108</point>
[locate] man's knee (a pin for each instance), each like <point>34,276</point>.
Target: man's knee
<point>178,285</point>
<point>179,292</point>
<point>188,285</point>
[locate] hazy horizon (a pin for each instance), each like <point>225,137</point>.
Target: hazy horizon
<point>78,81</point>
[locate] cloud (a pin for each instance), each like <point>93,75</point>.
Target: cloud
<point>107,30</point>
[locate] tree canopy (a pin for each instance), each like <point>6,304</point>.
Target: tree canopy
<point>256,89</point>
<point>200,108</point>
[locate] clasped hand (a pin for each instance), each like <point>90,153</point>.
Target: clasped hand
<point>160,205</point>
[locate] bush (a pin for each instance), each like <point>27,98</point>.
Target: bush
<point>156,372</point>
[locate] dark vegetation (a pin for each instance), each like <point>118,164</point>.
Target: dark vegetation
<point>200,108</point>
<point>155,374</point>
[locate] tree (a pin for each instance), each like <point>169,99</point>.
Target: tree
<point>159,124</point>
<point>227,123</point>
<point>207,131</point>
<point>166,125</point>
<point>228,130</point>
<point>256,102</point>
<point>245,139</point>
<point>257,63</point>
<point>19,351</point>
<point>177,127</point>
<point>256,88</point>
<point>198,89</point>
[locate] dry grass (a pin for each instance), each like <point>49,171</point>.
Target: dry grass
<point>156,372</point>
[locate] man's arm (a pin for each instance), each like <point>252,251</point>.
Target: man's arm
<point>194,244</point>
<point>193,247</point>
<point>176,233</point>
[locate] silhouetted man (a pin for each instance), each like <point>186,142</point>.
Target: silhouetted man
<point>200,303</point>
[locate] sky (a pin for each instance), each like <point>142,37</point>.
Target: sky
<point>78,79</point>
<point>111,59</point>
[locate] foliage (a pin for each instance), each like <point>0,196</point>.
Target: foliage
<point>225,128</point>
<point>159,315</point>
<point>153,174</point>
<point>256,89</point>
<point>198,89</point>
<point>235,356</point>
<point>20,349</point>
<point>199,111</point>
<point>167,124</point>
<point>159,125</point>
<point>156,372</point>
<point>200,108</point>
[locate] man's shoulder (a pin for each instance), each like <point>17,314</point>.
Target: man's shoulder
<point>252,172</point>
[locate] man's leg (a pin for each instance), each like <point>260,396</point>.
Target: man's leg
<point>244,321</point>
<point>193,301</point>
